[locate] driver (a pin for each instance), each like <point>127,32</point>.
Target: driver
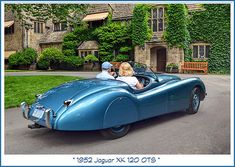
<point>126,75</point>
<point>106,71</point>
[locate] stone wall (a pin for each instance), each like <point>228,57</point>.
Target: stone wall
<point>148,54</point>
<point>175,55</point>
<point>34,38</point>
<point>140,54</point>
<point>14,42</point>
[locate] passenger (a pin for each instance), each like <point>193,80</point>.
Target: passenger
<point>106,71</point>
<point>126,75</point>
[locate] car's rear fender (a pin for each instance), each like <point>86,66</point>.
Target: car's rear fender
<point>122,110</point>
<point>89,112</point>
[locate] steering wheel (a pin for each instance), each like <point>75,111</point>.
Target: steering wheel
<point>115,72</point>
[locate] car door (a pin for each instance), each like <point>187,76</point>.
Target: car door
<point>152,102</point>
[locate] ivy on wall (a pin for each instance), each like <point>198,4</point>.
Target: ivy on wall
<point>140,29</point>
<point>213,26</point>
<point>72,39</point>
<point>112,36</point>
<point>176,33</point>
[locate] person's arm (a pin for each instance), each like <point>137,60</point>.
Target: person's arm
<point>139,85</point>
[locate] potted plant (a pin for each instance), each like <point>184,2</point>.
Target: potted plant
<point>175,68</point>
<point>168,68</point>
<point>91,62</point>
<point>172,68</point>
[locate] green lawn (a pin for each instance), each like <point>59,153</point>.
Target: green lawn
<point>24,88</point>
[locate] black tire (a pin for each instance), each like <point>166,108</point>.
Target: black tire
<point>194,101</point>
<point>115,132</point>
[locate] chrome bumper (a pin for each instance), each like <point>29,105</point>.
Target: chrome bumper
<point>48,118</point>
<point>25,110</point>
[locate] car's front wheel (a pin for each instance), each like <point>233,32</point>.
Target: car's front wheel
<point>115,132</point>
<point>194,101</point>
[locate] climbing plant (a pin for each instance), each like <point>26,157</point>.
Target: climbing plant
<point>112,36</point>
<point>176,33</point>
<point>72,39</point>
<point>212,25</point>
<point>140,29</point>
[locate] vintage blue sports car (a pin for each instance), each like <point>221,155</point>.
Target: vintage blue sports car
<point>111,105</point>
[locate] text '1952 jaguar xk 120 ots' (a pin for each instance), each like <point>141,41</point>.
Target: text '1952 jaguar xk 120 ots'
<point>111,105</point>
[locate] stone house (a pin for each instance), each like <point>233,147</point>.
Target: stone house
<point>156,53</point>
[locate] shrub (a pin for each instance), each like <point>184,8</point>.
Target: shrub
<point>70,37</point>
<point>43,64</point>
<point>121,58</point>
<point>30,55</point>
<point>91,58</point>
<point>50,57</point>
<point>13,59</point>
<point>69,52</point>
<point>24,58</point>
<point>71,62</point>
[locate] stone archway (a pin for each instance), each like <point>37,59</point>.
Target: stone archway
<point>158,56</point>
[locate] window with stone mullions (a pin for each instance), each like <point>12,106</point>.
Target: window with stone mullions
<point>201,51</point>
<point>38,27</point>
<point>157,19</point>
<point>60,26</point>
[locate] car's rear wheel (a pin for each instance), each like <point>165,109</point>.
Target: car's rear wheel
<point>115,132</point>
<point>194,101</point>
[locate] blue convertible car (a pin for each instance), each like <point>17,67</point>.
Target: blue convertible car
<point>111,105</point>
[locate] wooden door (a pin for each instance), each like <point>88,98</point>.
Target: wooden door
<point>161,59</point>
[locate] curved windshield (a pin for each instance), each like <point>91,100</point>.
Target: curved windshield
<point>142,69</point>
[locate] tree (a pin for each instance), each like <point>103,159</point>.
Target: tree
<point>112,37</point>
<point>62,12</point>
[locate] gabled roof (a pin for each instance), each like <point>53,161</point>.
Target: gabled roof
<point>121,11</point>
<point>89,45</point>
<point>98,8</point>
<point>125,11</point>
<point>52,37</point>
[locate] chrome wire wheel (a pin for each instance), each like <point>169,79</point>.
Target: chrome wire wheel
<point>115,132</point>
<point>118,129</point>
<point>194,101</point>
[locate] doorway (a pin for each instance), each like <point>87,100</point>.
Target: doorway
<point>161,59</point>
